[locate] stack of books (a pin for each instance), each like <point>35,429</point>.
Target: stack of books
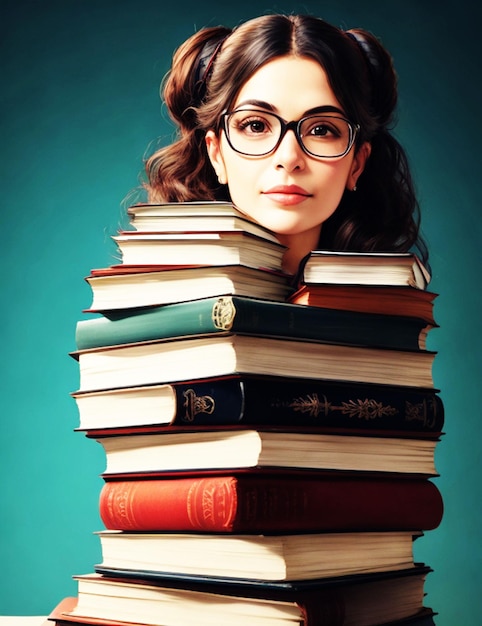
<point>269,445</point>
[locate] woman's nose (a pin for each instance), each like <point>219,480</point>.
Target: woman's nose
<point>289,155</point>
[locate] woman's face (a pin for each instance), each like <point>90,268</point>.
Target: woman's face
<point>287,191</point>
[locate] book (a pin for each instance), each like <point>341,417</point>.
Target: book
<point>264,400</point>
<point>121,286</point>
<point>192,217</point>
<point>194,208</point>
<point>262,557</point>
<point>154,452</point>
<point>363,268</point>
<point>381,299</point>
<point>170,360</point>
<point>253,503</point>
<point>356,601</point>
<point>253,316</point>
<point>205,248</point>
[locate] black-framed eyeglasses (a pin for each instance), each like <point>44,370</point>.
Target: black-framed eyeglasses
<point>254,132</point>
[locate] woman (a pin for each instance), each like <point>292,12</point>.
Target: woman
<point>289,118</point>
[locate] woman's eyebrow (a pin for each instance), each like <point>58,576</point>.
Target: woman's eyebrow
<point>261,104</point>
<point>327,108</point>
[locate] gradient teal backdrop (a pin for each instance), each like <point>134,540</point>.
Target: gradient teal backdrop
<point>79,109</point>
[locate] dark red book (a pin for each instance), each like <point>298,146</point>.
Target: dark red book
<point>380,299</point>
<point>253,503</point>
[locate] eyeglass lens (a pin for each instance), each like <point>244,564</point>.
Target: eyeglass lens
<point>256,133</point>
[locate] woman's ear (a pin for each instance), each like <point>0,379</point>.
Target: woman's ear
<point>358,165</point>
<point>215,156</point>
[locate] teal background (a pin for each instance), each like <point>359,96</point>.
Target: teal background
<point>79,109</point>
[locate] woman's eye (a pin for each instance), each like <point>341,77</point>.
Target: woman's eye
<point>320,130</point>
<point>323,130</point>
<point>253,126</point>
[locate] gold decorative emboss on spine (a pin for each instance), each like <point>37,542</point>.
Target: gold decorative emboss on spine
<point>315,406</point>
<point>224,313</point>
<point>366,409</point>
<point>194,404</point>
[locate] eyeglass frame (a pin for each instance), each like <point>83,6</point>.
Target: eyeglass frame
<point>295,126</point>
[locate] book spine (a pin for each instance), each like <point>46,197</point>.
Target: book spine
<point>250,316</point>
<point>169,505</point>
<point>228,504</point>
<point>307,403</point>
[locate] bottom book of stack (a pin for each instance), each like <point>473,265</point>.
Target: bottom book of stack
<point>388,598</point>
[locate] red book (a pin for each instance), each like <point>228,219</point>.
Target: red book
<point>382,299</point>
<point>256,503</point>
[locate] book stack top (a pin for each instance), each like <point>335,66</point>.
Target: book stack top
<point>185,251</point>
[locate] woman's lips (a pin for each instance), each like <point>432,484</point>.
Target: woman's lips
<point>287,194</point>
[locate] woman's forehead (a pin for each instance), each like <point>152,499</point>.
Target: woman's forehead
<point>290,84</point>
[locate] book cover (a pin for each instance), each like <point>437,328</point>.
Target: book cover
<point>381,299</point>
<point>262,401</point>
<point>253,316</point>
<point>261,503</point>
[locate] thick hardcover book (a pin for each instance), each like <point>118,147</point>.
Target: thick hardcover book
<point>205,248</point>
<point>264,400</point>
<point>363,268</point>
<point>171,360</point>
<point>262,557</point>
<point>121,286</point>
<point>151,453</point>
<point>253,316</point>
<point>256,503</point>
<point>359,601</point>
<point>381,299</point>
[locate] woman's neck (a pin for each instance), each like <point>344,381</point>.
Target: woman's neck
<point>298,246</point>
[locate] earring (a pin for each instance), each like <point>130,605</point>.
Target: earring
<point>354,188</point>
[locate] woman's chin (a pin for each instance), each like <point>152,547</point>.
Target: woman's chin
<point>288,233</point>
<point>284,228</point>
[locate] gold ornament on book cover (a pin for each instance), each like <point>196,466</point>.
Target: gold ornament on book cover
<point>224,313</point>
<point>194,405</point>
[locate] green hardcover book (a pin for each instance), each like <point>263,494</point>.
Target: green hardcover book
<point>254,317</point>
